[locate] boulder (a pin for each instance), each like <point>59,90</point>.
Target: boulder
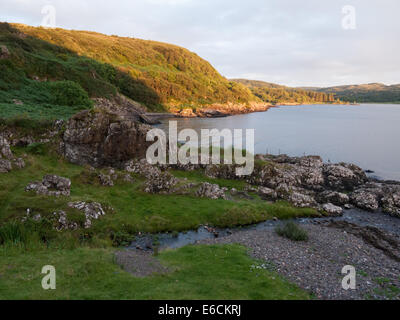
<point>391,204</point>
<point>267,193</point>
<point>332,210</point>
<point>101,138</point>
<point>92,211</point>
<point>5,151</point>
<point>160,182</point>
<point>51,185</point>
<point>334,197</point>
<point>5,166</point>
<point>343,176</point>
<point>211,191</point>
<point>301,200</point>
<point>364,199</point>
<point>106,180</point>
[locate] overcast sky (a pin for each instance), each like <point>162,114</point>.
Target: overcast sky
<point>291,42</point>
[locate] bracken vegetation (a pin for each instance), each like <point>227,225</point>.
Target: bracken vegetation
<point>37,63</point>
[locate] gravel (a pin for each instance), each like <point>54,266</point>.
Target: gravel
<point>316,265</point>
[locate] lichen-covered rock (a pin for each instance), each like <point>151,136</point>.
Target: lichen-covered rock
<point>92,211</point>
<point>267,193</point>
<point>343,176</point>
<point>51,185</point>
<point>141,167</point>
<point>365,199</point>
<point>5,166</point>
<point>100,137</point>
<point>62,221</point>
<point>211,191</point>
<point>160,182</point>
<point>334,197</point>
<point>5,151</point>
<point>391,204</point>
<point>332,210</point>
<point>301,200</point>
<point>106,180</point>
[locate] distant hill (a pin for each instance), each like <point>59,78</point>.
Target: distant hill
<point>371,92</point>
<point>156,74</point>
<point>278,94</point>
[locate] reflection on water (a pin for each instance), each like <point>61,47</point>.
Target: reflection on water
<point>367,135</point>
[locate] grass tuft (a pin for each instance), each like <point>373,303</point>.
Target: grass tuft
<point>292,231</point>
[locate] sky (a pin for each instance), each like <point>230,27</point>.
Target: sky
<point>290,42</point>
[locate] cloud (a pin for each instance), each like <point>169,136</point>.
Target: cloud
<point>299,43</point>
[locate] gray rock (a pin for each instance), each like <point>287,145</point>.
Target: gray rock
<point>365,199</point>
<point>5,151</point>
<point>160,182</point>
<point>267,193</point>
<point>105,180</point>
<point>5,166</point>
<point>302,200</point>
<point>51,185</point>
<point>211,191</point>
<point>92,211</point>
<point>343,176</point>
<point>391,204</point>
<point>334,197</point>
<point>332,210</point>
<point>102,137</point>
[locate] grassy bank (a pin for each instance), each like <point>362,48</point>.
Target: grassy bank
<point>134,210</point>
<point>196,272</point>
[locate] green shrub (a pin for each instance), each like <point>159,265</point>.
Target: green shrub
<point>292,231</point>
<point>37,148</point>
<point>69,93</point>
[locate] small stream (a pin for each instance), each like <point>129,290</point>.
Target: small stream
<point>181,239</point>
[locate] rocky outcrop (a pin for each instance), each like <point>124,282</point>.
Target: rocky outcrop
<point>102,138</point>
<point>62,220</point>
<point>267,193</point>
<point>332,210</point>
<point>391,204</point>
<point>7,159</point>
<point>5,166</point>
<point>334,197</point>
<point>51,185</point>
<point>221,110</point>
<point>211,191</point>
<point>92,211</point>
<point>5,151</point>
<point>343,176</point>
<point>160,182</point>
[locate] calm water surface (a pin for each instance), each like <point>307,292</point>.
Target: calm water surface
<point>367,135</point>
